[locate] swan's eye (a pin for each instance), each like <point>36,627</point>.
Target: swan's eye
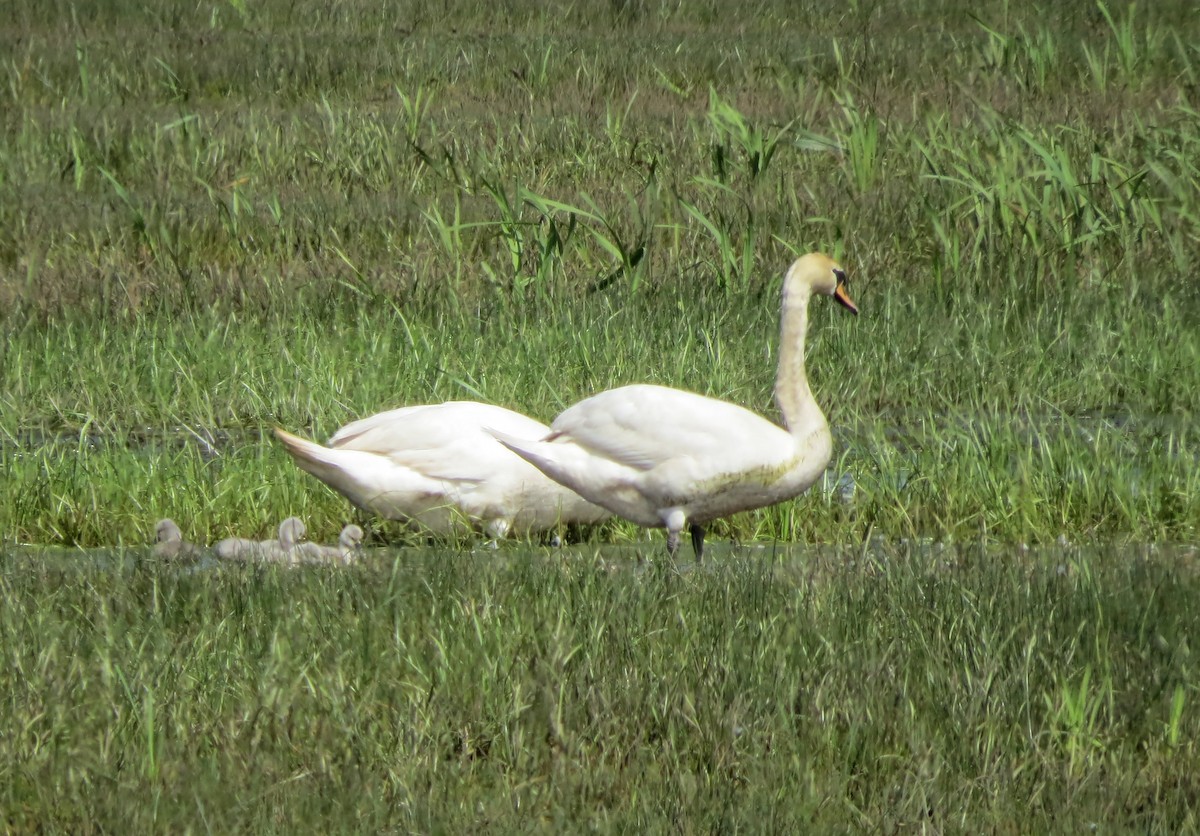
<point>840,275</point>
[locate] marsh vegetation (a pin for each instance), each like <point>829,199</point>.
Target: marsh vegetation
<point>219,217</point>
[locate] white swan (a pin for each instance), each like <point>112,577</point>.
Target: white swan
<point>170,544</point>
<point>291,532</point>
<point>436,466</point>
<point>665,458</point>
<point>344,553</point>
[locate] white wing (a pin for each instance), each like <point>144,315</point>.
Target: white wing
<point>644,426</point>
<point>436,465</point>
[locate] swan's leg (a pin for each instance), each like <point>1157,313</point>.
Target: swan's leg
<point>497,529</point>
<point>674,520</point>
<point>697,540</point>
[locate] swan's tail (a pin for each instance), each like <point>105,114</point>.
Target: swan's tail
<point>605,484</point>
<point>346,471</point>
<point>523,447</point>
<point>360,476</point>
<point>310,456</point>
<point>539,453</point>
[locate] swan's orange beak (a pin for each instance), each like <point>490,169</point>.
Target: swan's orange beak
<point>843,296</point>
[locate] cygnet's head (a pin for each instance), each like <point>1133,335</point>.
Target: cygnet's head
<point>351,536</point>
<point>291,532</point>
<point>166,531</point>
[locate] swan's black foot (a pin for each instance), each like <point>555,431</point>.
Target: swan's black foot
<point>697,541</point>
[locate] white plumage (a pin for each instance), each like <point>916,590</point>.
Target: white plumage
<point>436,466</point>
<point>665,458</point>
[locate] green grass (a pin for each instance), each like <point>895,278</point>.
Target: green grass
<point>945,436</point>
<point>896,687</point>
<point>215,218</point>
<point>295,215</point>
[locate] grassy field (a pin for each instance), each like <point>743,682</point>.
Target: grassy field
<point>216,217</point>
<point>905,689</point>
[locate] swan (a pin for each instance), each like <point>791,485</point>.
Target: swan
<point>344,553</point>
<point>170,544</point>
<point>665,458</point>
<point>291,532</point>
<point>436,466</point>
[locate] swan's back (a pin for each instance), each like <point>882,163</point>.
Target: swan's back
<point>445,442</point>
<point>438,466</point>
<point>641,426</point>
<point>432,427</point>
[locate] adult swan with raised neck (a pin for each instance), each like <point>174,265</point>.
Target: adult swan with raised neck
<point>665,458</point>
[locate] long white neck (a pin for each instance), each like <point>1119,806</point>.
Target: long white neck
<point>801,415</point>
